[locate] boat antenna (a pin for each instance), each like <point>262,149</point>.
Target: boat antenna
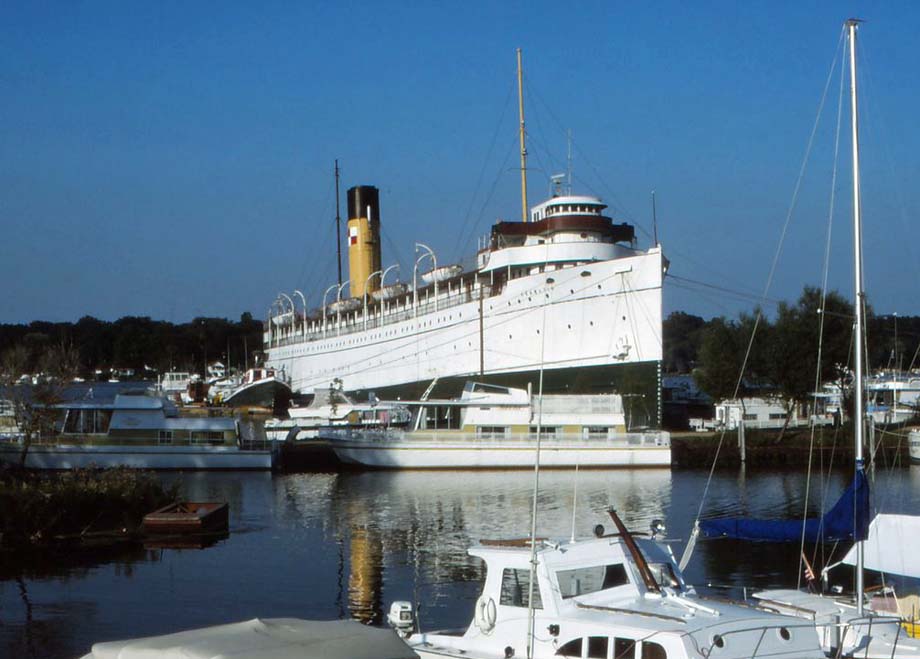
<point>569,159</point>
<point>654,220</point>
<point>338,223</point>
<point>575,494</point>
<point>520,81</point>
<point>859,300</point>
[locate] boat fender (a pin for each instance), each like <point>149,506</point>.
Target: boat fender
<point>486,614</point>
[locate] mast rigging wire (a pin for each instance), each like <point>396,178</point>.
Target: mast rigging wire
<point>826,268</point>
<point>773,267</point>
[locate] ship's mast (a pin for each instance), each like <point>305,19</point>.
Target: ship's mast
<point>338,223</point>
<point>859,296</point>
<point>520,80</point>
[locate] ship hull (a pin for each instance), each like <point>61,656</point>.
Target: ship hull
<point>59,457</point>
<point>636,450</point>
<point>595,317</point>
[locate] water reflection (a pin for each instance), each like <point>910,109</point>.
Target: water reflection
<point>339,545</point>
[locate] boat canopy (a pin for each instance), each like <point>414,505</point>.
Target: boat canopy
<point>891,545</point>
<point>847,520</point>
<point>278,638</point>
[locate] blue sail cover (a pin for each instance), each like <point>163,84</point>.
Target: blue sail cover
<point>847,520</point>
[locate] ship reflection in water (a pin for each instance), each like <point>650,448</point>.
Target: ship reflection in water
<point>328,546</point>
<point>424,522</point>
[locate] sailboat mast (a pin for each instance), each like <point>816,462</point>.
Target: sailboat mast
<point>338,223</point>
<point>520,80</point>
<point>859,420</point>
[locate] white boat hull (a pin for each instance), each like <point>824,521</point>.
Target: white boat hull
<point>261,393</point>
<point>142,457</point>
<point>913,444</point>
<point>634,450</point>
<point>598,314</point>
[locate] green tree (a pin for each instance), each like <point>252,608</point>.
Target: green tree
<point>797,334</point>
<point>681,334</point>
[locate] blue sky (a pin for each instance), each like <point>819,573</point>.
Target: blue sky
<point>175,159</point>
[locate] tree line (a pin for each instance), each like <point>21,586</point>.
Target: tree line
<point>785,352</point>
<point>132,342</point>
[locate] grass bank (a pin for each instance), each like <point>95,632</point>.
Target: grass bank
<point>40,509</point>
<point>771,448</point>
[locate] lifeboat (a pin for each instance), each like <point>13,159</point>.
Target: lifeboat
<point>443,273</point>
<point>389,292</point>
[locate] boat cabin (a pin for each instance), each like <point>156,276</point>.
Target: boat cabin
<point>493,411</point>
<point>602,599</point>
<point>140,419</point>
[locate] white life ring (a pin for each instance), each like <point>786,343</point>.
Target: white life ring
<point>486,614</point>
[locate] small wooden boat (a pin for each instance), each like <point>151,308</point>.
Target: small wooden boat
<point>188,517</point>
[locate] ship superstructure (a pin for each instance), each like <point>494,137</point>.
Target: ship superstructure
<point>568,290</point>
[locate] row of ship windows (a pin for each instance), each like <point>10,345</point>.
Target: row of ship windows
<point>510,336</point>
<point>441,319</point>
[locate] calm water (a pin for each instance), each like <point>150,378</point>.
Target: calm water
<point>339,545</point>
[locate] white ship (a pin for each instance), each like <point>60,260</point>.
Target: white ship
<point>565,288</point>
<point>493,427</point>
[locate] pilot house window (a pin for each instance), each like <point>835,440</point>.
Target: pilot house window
<point>516,589</point>
<point>584,580</point>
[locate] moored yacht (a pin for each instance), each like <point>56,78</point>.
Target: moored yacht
<point>492,427</point>
<point>259,387</point>
<point>611,596</point>
<point>139,431</point>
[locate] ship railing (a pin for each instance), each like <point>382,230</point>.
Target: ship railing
<point>841,638</point>
<point>548,440</point>
<point>354,322</point>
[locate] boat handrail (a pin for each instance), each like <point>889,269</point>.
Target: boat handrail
<point>629,439</point>
<point>634,612</point>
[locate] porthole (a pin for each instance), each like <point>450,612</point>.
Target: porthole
<point>784,633</point>
<point>585,273</point>
<point>718,641</point>
<point>550,280</point>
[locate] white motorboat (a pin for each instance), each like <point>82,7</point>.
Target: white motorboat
<point>608,596</point>
<point>175,383</point>
<point>334,409</point>
<point>259,387</point>
<point>497,427</point>
<point>913,445</point>
<point>277,638</point>
<point>139,431</point>
<point>892,398</point>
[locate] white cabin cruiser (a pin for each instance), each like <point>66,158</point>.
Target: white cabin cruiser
<point>142,432</point>
<point>334,408</point>
<point>610,597</point>
<point>259,387</point>
<point>492,427</point>
<point>913,445</point>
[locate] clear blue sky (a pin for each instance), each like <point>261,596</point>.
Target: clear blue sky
<point>175,159</point>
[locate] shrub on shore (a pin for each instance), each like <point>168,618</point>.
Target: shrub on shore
<point>39,508</point>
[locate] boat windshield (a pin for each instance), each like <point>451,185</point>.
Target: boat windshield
<point>87,421</point>
<point>584,580</point>
<point>664,575</point>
